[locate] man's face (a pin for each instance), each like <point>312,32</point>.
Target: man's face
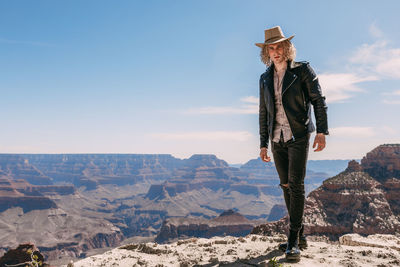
<point>275,52</point>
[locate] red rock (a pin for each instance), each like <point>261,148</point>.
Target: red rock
<point>392,193</point>
<point>20,193</point>
<point>383,162</point>
<point>354,166</point>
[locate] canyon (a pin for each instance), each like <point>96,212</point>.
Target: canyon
<point>73,205</point>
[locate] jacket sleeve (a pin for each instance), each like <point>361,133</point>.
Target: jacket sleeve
<point>263,117</point>
<point>317,99</point>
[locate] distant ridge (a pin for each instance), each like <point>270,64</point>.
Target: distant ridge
<point>228,222</point>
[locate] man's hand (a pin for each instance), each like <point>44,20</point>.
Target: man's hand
<point>320,141</point>
<point>264,155</point>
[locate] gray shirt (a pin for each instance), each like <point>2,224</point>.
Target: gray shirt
<point>281,123</point>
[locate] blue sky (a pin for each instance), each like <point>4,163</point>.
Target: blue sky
<point>181,77</point>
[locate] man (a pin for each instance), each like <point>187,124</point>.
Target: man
<point>287,91</point>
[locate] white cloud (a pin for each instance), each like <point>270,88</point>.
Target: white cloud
<point>250,99</point>
<point>352,132</point>
<point>367,53</point>
<point>378,58</point>
<point>339,86</point>
<point>391,66</point>
<point>206,135</point>
<point>369,62</point>
<point>251,107</point>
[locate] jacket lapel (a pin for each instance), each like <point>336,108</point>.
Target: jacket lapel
<point>289,77</point>
<point>269,81</point>
<point>288,80</point>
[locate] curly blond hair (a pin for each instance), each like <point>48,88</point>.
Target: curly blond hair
<point>289,52</point>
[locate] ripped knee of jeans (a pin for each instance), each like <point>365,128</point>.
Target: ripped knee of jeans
<point>284,186</point>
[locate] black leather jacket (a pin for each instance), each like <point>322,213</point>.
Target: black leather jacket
<point>300,88</point>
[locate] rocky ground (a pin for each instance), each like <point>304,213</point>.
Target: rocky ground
<point>254,250</point>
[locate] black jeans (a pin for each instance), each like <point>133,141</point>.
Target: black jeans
<point>290,162</point>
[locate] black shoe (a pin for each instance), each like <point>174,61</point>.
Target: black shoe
<point>292,252</point>
<point>283,247</point>
<point>302,244</point>
<point>302,239</point>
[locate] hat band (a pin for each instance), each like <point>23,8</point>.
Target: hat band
<point>274,39</point>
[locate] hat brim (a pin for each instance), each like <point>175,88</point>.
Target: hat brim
<point>261,45</point>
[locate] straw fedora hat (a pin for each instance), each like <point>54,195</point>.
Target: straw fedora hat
<point>272,36</point>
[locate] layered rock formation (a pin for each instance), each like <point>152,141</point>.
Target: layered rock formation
<point>277,212</point>
<point>174,187</point>
<point>18,167</point>
<point>56,232</point>
<point>82,244</point>
<point>203,187</point>
<point>353,201</point>
<point>91,170</point>
<point>197,172</point>
<point>228,223</point>
<point>383,162</point>
<point>392,194</point>
<point>52,216</point>
<point>20,193</point>
<point>260,172</point>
